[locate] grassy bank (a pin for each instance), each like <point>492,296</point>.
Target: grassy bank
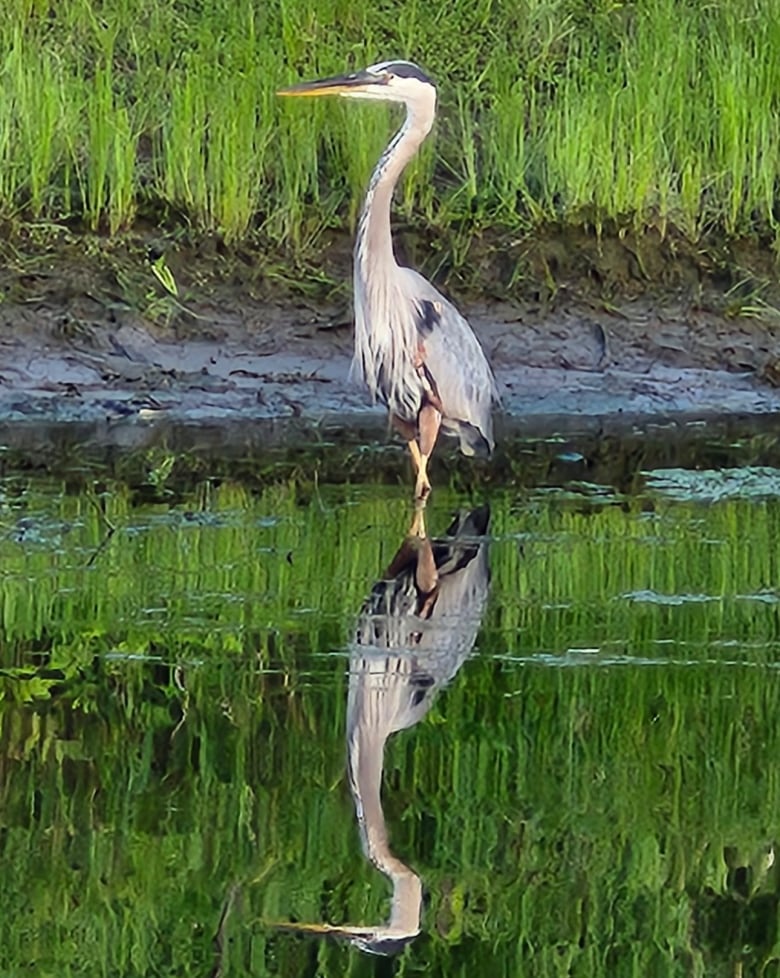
<point>657,113</point>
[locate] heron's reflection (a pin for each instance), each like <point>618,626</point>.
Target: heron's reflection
<point>414,632</point>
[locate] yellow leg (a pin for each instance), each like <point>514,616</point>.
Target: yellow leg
<point>428,423</point>
<point>417,529</point>
<point>421,486</point>
<point>414,451</point>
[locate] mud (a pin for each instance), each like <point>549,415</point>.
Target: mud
<point>74,348</point>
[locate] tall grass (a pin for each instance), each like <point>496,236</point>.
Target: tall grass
<point>662,113</point>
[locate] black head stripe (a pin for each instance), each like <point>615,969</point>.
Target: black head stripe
<point>404,69</point>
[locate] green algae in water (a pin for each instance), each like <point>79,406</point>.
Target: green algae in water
<point>595,793</point>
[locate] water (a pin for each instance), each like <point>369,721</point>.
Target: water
<point>578,757</point>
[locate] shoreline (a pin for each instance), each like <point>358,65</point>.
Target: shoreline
<point>642,361</point>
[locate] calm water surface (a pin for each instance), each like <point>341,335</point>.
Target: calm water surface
<point>240,708</point>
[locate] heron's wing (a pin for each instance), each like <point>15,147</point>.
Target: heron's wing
<point>401,657</point>
<point>447,638</point>
<point>456,364</point>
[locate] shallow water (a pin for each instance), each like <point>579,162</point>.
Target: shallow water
<point>197,703</point>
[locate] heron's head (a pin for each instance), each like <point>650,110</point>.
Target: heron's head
<point>388,81</point>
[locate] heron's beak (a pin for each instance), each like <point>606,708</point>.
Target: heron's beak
<point>331,930</point>
<point>356,81</point>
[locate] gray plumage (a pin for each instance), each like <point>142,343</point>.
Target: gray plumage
<point>411,342</point>
<point>409,643</point>
<point>413,349</point>
<point>414,632</point>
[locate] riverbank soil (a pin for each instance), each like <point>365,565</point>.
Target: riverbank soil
<point>573,323</point>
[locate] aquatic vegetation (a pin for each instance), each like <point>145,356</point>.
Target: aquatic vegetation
<point>596,787</point>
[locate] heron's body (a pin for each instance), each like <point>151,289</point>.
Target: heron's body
<point>414,632</point>
<point>413,349</point>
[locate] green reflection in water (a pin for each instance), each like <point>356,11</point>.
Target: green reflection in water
<point>596,793</point>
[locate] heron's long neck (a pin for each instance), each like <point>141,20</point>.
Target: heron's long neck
<point>366,762</point>
<point>373,236</point>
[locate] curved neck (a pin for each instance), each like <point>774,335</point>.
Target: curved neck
<point>373,235</point>
<point>365,766</point>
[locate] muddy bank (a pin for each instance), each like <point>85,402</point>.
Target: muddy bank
<point>96,341</point>
<point>639,362</point>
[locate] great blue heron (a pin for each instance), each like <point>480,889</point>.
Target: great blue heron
<point>414,632</point>
<point>413,348</point>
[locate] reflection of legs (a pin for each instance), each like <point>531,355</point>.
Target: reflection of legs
<point>417,529</point>
<point>426,576</point>
<point>428,424</point>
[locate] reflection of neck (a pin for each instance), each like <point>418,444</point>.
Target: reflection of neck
<point>366,763</point>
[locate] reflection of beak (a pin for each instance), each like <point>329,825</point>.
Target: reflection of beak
<point>382,940</point>
<point>297,928</point>
<point>357,81</point>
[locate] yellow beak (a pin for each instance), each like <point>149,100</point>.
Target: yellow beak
<point>334,85</point>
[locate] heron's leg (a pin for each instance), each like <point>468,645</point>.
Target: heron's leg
<point>408,430</point>
<point>426,576</point>
<point>428,423</point>
<point>417,529</point>
<point>414,451</point>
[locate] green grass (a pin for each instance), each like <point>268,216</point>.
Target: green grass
<point>657,113</point>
